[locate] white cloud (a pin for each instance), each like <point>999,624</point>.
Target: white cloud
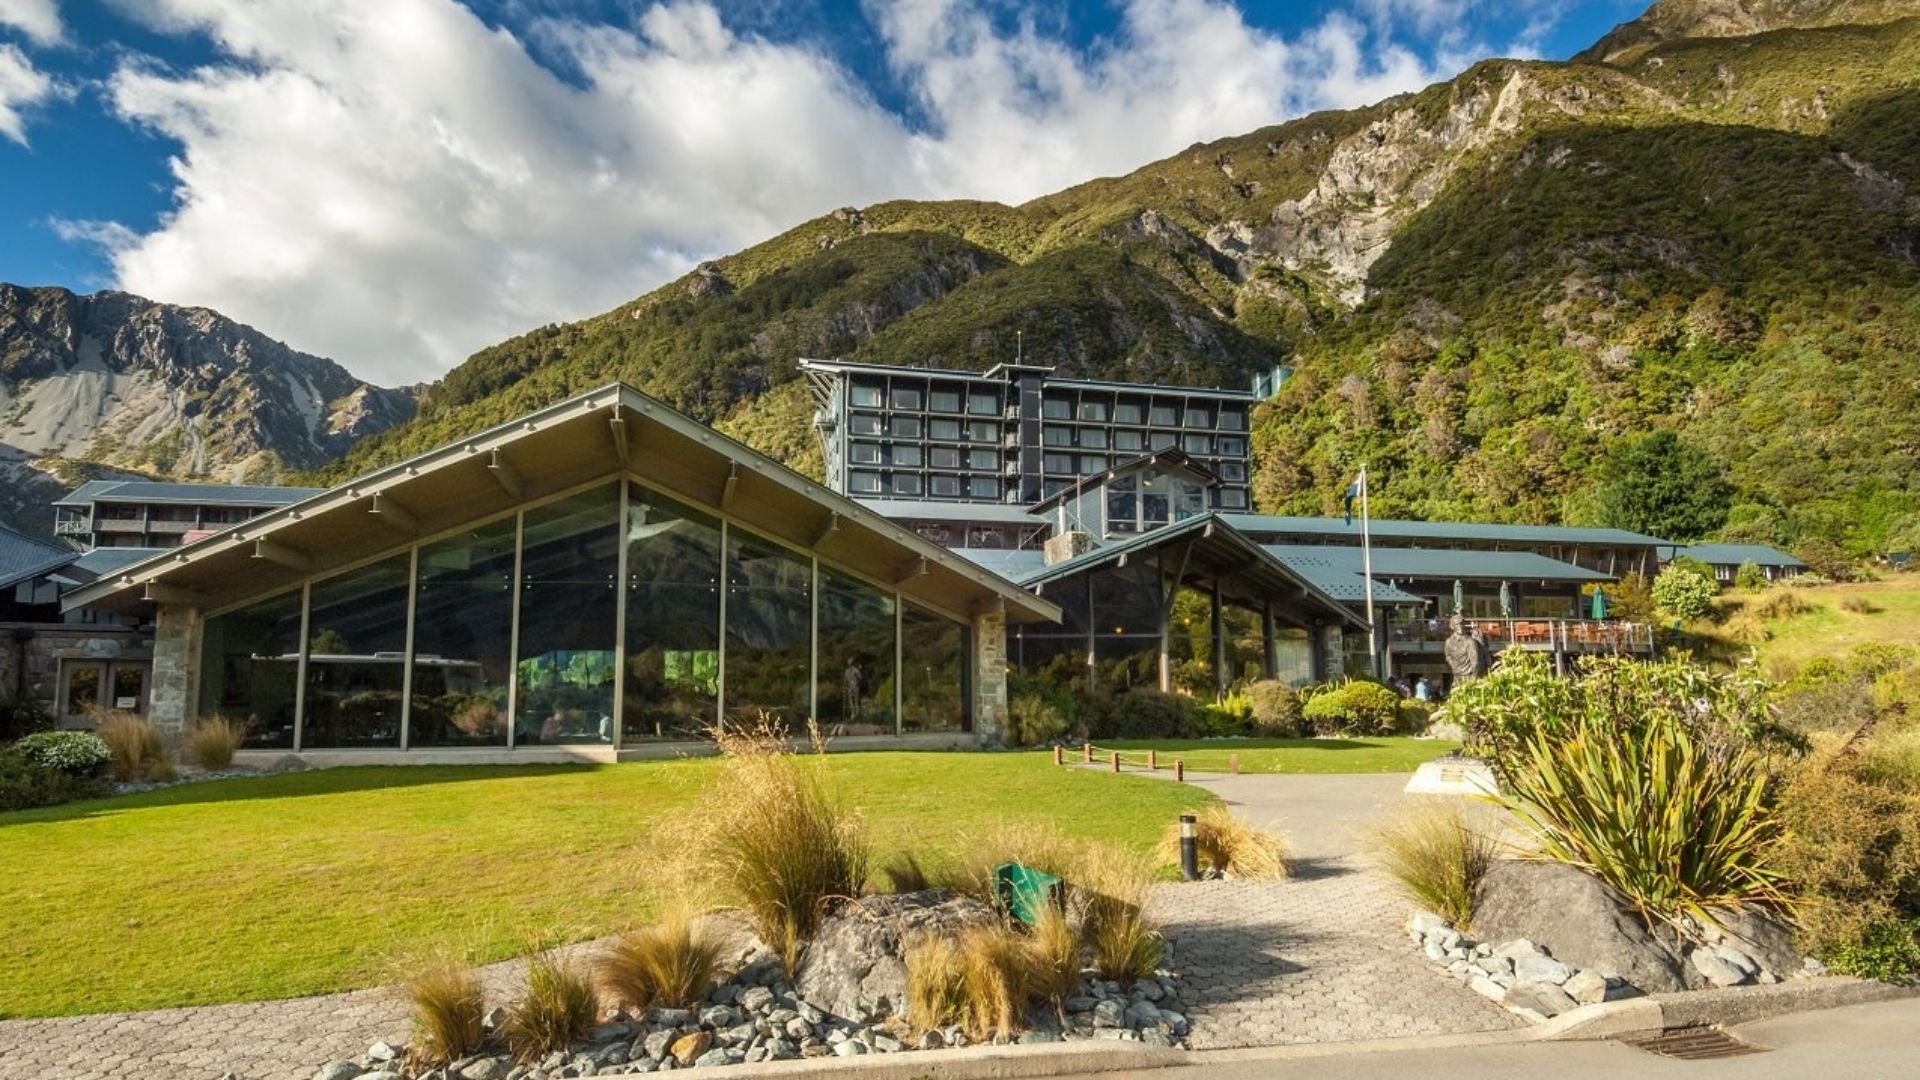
<point>38,19</point>
<point>21,86</point>
<point>393,183</point>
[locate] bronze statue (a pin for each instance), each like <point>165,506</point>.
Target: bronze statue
<point>1466,654</point>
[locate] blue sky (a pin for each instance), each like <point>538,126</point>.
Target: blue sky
<point>397,182</point>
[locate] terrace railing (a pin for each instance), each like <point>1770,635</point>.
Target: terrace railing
<point>1554,635</point>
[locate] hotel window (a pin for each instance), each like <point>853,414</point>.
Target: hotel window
<point>864,483</point>
<point>864,453</point>
<point>1057,463</point>
<point>947,401</point>
<point>980,404</point>
<point>983,459</point>
<point>1127,440</point>
<point>904,484</point>
<point>983,487</point>
<point>945,486</point>
<point>1198,444</point>
<point>905,427</point>
<point>1127,412</point>
<point>1163,440</point>
<point>1095,411</point>
<point>943,429</point>
<point>1233,499</point>
<point>1092,463</point>
<point>941,457</point>
<point>864,424</point>
<point>981,431</point>
<point>1233,445</point>
<point>1056,436</point>
<point>1199,416</point>
<point>1166,415</point>
<point>906,397</point>
<point>1231,470</point>
<point>1233,420</point>
<point>864,395</point>
<point>1056,409</point>
<point>906,455</point>
<point>1093,438</point>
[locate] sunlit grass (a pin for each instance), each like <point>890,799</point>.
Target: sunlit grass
<point>1385,754</point>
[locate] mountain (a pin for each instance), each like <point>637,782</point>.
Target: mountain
<point>113,385</point>
<point>1492,290</point>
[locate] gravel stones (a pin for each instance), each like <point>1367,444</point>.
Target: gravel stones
<point>338,1070</point>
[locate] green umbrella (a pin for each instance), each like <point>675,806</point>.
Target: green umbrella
<point>1506,601</point>
<point>1459,597</point>
<point>1599,603</point>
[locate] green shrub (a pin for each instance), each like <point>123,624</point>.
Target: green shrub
<point>1887,951</point>
<point>1353,708</point>
<point>1412,716</point>
<point>1221,720</point>
<point>26,784</point>
<point>77,753</point>
<point>23,716</point>
<point>1436,858</point>
<point>1749,576</point>
<point>1681,593</point>
<point>1034,720</point>
<point>1147,714</point>
<point>1828,559</point>
<point>1276,708</point>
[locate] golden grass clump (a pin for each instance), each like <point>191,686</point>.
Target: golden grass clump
<point>1746,628</point>
<point>1437,858</point>
<point>1229,845</point>
<point>1053,958</point>
<point>214,740</point>
<point>1112,890</point>
<point>904,874</point>
<point>557,1010</point>
<point>1034,846</point>
<point>1780,604</point>
<point>449,1011</point>
<point>672,963</point>
<point>981,979</point>
<point>1859,605</point>
<point>138,752</point>
<point>779,844</point>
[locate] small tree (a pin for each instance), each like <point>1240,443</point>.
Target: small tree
<point>1682,593</point>
<point>1749,576</point>
<point>1827,559</point>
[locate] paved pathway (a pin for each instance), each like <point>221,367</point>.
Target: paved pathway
<point>1320,957</point>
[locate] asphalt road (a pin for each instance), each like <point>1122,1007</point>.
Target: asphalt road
<point>1880,1041</point>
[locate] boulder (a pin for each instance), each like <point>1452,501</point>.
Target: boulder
<point>1760,935</point>
<point>855,966</point>
<point>1577,919</point>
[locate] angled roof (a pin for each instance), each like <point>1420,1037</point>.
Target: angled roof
<point>1405,564</point>
<point>22,557</point>
<point>996,513</point>
<point>1168,457</point>
<point>1271,528</point>
<point>592,437</point>
<point>1334,577</point>
<point>1735,554</point>
<point>157,491</point>
<point>1001,373</point>
<point>1226,548</point>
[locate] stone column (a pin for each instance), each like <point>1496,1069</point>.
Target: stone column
<point>990,678</point>
<point>176,667</point>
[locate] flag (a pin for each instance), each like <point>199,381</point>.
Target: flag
<point>1354,491</point>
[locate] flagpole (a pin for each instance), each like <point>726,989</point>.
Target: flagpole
<point>1366,570</point>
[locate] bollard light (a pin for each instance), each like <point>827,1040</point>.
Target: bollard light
<point>1189,855</point>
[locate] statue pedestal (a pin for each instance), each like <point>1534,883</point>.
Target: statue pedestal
<point>1453,776</point>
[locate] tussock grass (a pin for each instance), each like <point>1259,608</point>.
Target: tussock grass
<point>138,751</point>
<point>672,963</point>
<point>448,1010</point>
<point>1053,958</point>
<point>1780,604</point>
<point>1436,857</point>
<point>779,844</point>
<point>1225,843</point>
<point>557,1010</point>
<point>981,979</point>
<point>214,740</point>
<point>1112,890</point>
<point>904,874</point>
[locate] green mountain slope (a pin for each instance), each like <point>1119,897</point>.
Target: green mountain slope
<point>1708,223</point>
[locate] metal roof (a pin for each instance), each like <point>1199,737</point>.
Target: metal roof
<point>1735,554</point>
<point>604,434</point>
<point>1269,528</point>
<point>22,556</point>
<point>997,375</point>
<point>157,491</point>
<point>996,513</point>
<point>1333,577</point>
<point>1445,564</point>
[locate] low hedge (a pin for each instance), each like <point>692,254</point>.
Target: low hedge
<point>25,783</point>
<point>1354,708</point>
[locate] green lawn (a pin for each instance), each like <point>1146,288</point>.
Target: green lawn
<point>1892,617</point>
<point>1385,754</point>
<point>313,882</point>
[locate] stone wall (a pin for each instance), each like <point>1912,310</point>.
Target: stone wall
<point>176,666</point>
<point>30,653</point>
<point>990,678</point>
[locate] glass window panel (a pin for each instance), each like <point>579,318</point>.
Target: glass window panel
<point>769,633</point>
<point>943,458</point>
<point>1233,420</point>
<point>356,657</point>
<point>864,482</point>
<point>1092,463</point>
<point>1233,499</point>
<point>905,427</point>
<point>906,397</point>
<point>1231,470</point>
<point>944,401</point>
<point>864,424</point>
<point>864,395</point>
<point>83,687</point>
<point>1199,416</point>
<point>983,459</point>
<point>1057,436</point>
<point>1056,409</point>
<point>983,404</point>
<point>1122,508</point>
<point>1127,412</point>
<point>856,657</point>
<point>1166,414</point>
<point>904,484</point>
<point>1163,440</point>
<point>1232,444</point>
<point>1093,438</point>
<point>982,431</point>
<point>130,687</point>
<point>933,654</point>
<point>983,487</point>
<point>948,486</point>
<point>864,453</point>
<point>673,619</point>
<point>944,429</point>
<point>906,455</point>
<point>463,639</point>
<point>1057,463</point>
<point>1095,411</point>
<point>1127,440</point>
<point>1198,444</point>
<point>569,578</point>
<point>250,668</point>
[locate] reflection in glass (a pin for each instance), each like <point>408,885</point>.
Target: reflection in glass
<point>83,688</point>
<point>856,657</point>
<point>356,657</point>
<point>769,631</point>
<point>250,668</point>
<point>933,654</point>
<point>673,618</point>
<point>569,571</point>
<point>463,639</point>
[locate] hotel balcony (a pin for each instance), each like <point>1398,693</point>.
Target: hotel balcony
<point>1545,635</point>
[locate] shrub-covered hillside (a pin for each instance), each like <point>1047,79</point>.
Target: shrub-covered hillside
<point>1493,290</point>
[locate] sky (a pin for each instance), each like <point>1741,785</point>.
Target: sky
<point>397,183</point>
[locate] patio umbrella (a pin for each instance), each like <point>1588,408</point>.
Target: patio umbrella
<point>1506,601</point>
<point>1599,603</point>
<point>1459,596</point>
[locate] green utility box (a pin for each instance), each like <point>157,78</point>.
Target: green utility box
<point>1024,891</point>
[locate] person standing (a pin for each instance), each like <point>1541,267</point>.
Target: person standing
<point>1422,689</point>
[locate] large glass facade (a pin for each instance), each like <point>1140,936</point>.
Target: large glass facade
<point>673,618</point>
<point>356,657</point>
<point>250,669</point>
<point>769,658</point>
<point>855,677</point>
<point>569,619</point>
<point>463,639</point>
<point>933,663</point>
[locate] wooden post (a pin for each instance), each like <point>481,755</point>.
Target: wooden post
<point>1233,764</point>
<point>1057,756</point>
<point>1153,760</point>
<point>1086,753</point>
<point>1113,760</point>
<point>1179,770</point>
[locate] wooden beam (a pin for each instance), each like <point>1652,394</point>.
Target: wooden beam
<point>173,594</point>
<point>505,473</point>
<point>916,568</point>
<point>832,526</point>
<point>617,426</point>
<point>282,554</point>
<point>393,515</point>
<point>733,483</point>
